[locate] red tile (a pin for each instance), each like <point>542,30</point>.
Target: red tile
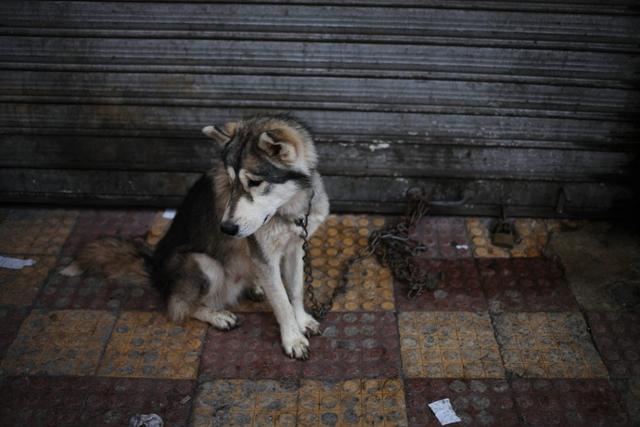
<point>444,238</point>
<point>10,320</point>
<point>93,224</point>
<point>588,403</point>
<point>352,345</point>
<point>617,336</point>
<point>458,288</point>
<point>355,345</point>
<point>476,402</point>
<point>98,293</point>
<point>525,284</point>
<point>58,401</point>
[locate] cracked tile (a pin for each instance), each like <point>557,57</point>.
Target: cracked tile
<point>476,402</point>
<point>148,345</point>
<point>449,345</point>
<point>305,403</point>
<point>548,345</point>
<point>66,342</point>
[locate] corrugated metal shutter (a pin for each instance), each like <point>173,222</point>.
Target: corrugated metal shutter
<point>482,102</point>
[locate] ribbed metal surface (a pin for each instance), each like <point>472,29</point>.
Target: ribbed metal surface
<point>484,102</point>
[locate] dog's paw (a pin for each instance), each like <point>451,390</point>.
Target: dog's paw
<point>223,320</point>
<point>308,325</point>
<point>296,347</point>
<point>255,293</point>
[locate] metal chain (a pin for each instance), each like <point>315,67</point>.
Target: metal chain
<point>393,248</point>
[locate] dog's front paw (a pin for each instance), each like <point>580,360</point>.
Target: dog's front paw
<point>224,320</point>
<point>308,325</point>
<point>296,347</point>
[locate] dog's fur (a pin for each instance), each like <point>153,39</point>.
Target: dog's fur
<point>263,185</point>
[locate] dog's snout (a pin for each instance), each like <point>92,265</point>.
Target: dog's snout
<point>229,228</point>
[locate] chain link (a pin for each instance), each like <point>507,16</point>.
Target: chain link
<point>393,248</point>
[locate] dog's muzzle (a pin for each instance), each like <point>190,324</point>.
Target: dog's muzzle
<point>227,227</point>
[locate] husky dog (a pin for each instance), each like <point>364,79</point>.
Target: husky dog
<point>238,229</point>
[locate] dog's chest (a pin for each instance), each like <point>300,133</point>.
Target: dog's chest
<point>276,234</point>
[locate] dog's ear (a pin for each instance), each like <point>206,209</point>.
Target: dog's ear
<point>279,145</point>
<point>221,135</point>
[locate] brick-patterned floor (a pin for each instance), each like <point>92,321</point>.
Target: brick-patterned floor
<point>502,337</point>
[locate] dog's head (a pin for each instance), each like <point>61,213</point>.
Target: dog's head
<point>267,160</point>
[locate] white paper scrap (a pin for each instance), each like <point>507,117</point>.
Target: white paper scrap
<point>444,412</point>
<point>462,247</point>
<point>15,263</point>
<point>169,213</point>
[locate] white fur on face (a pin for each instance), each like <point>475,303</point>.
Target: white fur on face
<point>250,215</point>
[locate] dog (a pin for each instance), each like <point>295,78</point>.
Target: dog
<point>239,229</point>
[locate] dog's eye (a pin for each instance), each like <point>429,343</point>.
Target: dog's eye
<point>253,183</point>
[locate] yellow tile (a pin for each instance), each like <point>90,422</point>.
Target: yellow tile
<point>549,345</point>
<point>436,345</point>
<point>65,342</point>
<point>20,287</point>
<point>148,345</point>
<point>35,231</point>
<point>533,234</point>
<point>305,403</point>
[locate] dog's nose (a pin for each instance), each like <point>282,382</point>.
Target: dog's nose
<point>229,228</point>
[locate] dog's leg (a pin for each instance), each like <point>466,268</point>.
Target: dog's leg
<point>213,301</point>
<point>293,275</point>
<point>295,344</point>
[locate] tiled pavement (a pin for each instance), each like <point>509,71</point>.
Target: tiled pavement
<point>502,337</point>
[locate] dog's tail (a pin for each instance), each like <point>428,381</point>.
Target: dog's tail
<point>115,258</point>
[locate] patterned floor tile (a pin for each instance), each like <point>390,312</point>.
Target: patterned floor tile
<point>65,401</point>
<point>533,236</point>
<point>458,288</point>
<point>20,287</point>
<point>444,238</point>
<point>352,345</point>
<point>617,336</point>
<point>476,402</point>
<point>559,402</point>
<point>66,342</point>
<point>93,224</point>
<point>10,320</point>
<point>305,403</point>
<point>35,231</point>
<point>525,284</point>
<point>98,293</point>
<point>148,345</point>
<point>629,391</point>
<point>548,345</point>
<point>355,345</point>
<point>449,345</point>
